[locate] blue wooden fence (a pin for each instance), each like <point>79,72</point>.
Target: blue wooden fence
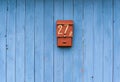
<point>28,51</point>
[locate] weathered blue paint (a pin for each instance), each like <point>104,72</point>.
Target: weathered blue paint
<point>3,36</point>
<point>39,41</point>
<point>58,52</point>
<point>116,46</point>
<point>20,41</point>
<point>77,41</point>
<point>29,41</point>
<point>108,41</point>
<point>48,41</point>
<point>28,50</point>
<point>98,40</point>
<point>11,19</point>
<point>88,40</point>
<point>68,52</point>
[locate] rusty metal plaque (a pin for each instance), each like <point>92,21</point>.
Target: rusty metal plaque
<point>64,33</point>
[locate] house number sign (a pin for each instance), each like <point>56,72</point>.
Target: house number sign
<point>64,33</point>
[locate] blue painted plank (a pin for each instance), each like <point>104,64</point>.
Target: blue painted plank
<point>11,41</point>
<point>108,41</point>
<point>48,41</point>
<point>29,41</point>
<point>20,41</point>
<point>77,42</point>
<point>68,52</point>
<point>116,77</point>
<point>88,28</point>
<point>3,14</point>
<point>98,41</point>
<point>58,52</point>
<point>39,41</point>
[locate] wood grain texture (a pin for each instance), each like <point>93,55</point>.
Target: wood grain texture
<point>68,52</point>
<point>3,16</point>
<point>88,35</point>
<point>11,41</point>
<point>11,20</point>
<point>20,41</point>
<point>39,41</point>
<point>28,49</point>
<point>108,41</point>
<point>48,41</point>
<point>29,41</point>
<point>116,41</point>
<point>98,41</point>
<point>58,52</point>
<point>77,41</point>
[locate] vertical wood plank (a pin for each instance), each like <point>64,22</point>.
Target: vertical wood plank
<point>88,40</point>
<point>20,41</point>
<point>48,46</point>
<point>3,14</point>
<point>39,41</point>
<point>98,41</point>
<point>108,41</point>
<point>116,77</point>
<point>77,41</point>
<point>58,52</point>
<point>11,41</point>
<point>29,41</point>
<point>68,53</point>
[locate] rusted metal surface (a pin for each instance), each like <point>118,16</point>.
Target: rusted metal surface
<point>64,42</point>
<point>65,22</point>
<point>64,33</point>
